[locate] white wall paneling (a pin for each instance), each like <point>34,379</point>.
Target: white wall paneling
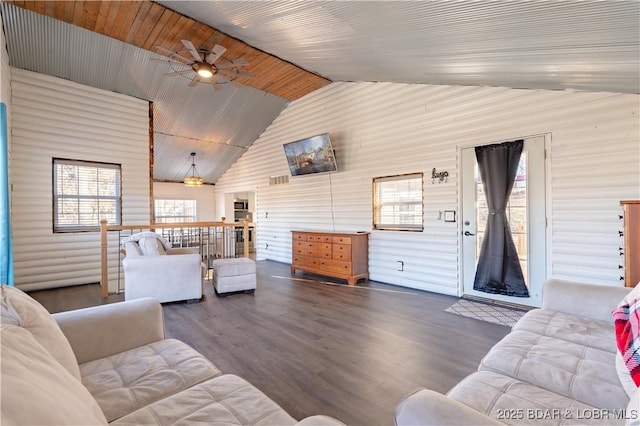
<point>58,118</point>
<point>380,129</point>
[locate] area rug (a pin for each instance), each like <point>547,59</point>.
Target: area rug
<point>489,312</point>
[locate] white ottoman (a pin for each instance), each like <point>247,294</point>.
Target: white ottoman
<point>234,274</point>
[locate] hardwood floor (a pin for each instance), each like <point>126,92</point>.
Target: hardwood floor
<point>324,348</point>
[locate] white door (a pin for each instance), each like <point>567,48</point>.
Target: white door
<point>526,213</point>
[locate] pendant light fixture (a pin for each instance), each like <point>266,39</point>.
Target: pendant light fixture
<point>194,180</point>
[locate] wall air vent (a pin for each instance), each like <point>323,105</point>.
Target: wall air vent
<point>278,180</point>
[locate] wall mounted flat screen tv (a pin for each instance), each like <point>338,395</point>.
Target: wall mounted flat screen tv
<point>311,155</point>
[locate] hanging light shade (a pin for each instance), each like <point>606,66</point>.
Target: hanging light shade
<point>193,180</point>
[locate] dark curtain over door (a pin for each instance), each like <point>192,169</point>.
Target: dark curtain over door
<point>498,269</point>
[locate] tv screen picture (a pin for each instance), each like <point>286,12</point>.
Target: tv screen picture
<point>310,155</point>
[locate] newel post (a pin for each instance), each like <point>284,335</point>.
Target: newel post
<point>104,275</point>
<point>224,238</point>
<point>245,235</point>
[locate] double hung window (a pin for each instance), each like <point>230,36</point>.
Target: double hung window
<point>397,202</point>
<point>175,211</point>
<point>84,193</point>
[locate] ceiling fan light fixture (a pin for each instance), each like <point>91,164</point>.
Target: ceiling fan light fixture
<point>204,70</point>
<point>194,180</point>
<point>204,66</point>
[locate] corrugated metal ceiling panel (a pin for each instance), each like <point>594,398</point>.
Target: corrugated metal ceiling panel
<point>209,119</point>
<point>593,46</point>
<point>581,45</point>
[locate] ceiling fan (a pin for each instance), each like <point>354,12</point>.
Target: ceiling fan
<point>204,66</point>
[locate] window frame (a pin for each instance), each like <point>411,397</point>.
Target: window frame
<point>377,205</point>
<point>57,227</point>
<point>195,209</point>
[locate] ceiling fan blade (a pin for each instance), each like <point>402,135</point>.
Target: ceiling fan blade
<point>224,64</point>
<point>216,85</point>
<point>170,62</point>
<point>245,74</point>
<point>173,55</point>
<point>194,52</point>
<point>194,82</point>
<point>215,54</point>
<point>232,64</point>
<point>179,72</point>
<point>235,73</point>
<point>240,62</point>
<point>221,79</point>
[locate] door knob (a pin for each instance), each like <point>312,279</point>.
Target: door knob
<point>468,234</point>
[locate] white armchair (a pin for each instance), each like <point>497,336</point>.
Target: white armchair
<point>151,269</point>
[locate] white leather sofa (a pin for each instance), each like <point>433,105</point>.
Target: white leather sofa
<point>557,366</point>
<point>113,364</point>
<point>153,269</point>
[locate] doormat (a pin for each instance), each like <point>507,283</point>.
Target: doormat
<point>487,312</point>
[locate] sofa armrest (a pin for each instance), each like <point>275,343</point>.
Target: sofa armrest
<point>105,330</point>
<point>587,300</point>
<point>319,421</point>
<point>427,407</point>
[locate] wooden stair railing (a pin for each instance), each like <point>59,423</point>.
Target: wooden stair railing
<point>105,229</point>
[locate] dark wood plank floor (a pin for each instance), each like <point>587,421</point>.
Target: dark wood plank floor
<point>320,348</point>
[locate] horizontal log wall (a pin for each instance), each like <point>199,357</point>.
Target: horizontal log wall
<point>57,118</point>
<point>381,129</point>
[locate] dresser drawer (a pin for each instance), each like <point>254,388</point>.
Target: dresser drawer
<point>298,236</point>
<point>319,250</point>
<point>341,240</point>
<point>336,266</point>
<point>304,261</point>
<point>304,248</point>
<point>342,252</point>
<point>319,238</point>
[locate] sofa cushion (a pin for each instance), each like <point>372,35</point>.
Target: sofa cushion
<point>17,308</point>
<point>576,371</point>
<point>572,328</point>
<point>226,399</point>
<point>132,249</point>
<point>127,381</point>
<point>36,389</point>
<point>147,234</point>
<point>151,246</point>
<point>513,401</point>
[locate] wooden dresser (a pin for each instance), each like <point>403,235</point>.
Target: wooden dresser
<point>631,242</point>
<point>342,255</point>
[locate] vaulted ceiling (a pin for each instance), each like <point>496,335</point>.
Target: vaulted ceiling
<point>294,48</point>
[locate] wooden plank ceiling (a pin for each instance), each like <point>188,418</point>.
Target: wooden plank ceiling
<point>146,24</point>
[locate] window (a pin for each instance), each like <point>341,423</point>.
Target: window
<point>175,211</point>
<point>397,202</point>
<point>84,193</point>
